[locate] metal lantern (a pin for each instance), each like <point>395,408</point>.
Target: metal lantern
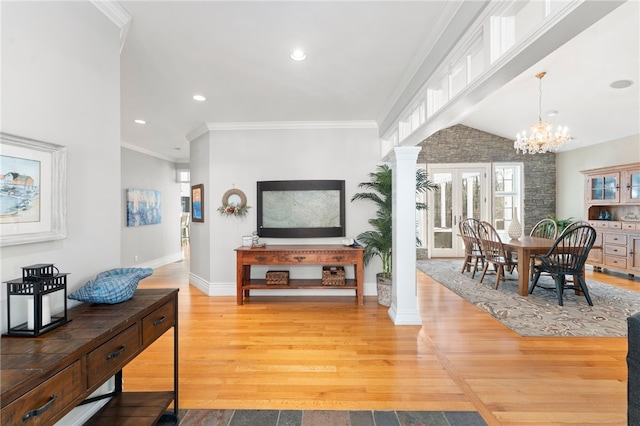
<point>37,284</point>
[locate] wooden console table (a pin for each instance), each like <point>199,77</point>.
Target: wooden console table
<point>297,255</point>
<point>45,377</point>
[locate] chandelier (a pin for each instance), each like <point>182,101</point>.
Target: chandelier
<point>541,137</point>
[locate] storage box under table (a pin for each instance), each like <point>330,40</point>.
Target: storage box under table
<point>333,275</point>
<point>277,277</point>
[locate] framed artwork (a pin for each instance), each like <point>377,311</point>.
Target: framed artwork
<point>33,198</point>
<point>143,207</point>
<point>197,203</point>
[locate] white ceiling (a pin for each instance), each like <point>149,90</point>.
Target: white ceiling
<point>361,56</point>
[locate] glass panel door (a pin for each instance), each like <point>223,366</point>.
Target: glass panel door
<point>460,193</point>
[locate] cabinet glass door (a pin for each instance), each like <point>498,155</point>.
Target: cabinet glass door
<point>605,188</point>
<point>634,186</point>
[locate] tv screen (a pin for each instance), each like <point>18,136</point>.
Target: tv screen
<point>301,208</point>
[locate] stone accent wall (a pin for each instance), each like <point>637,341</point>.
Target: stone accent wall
<point>462,144</point>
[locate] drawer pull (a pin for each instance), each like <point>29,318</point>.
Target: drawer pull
<point>299,258</point>
<point>261,258</point>
<point>338,258</point>
<point>117,353</point>
<point>45,407</point>
<point>160,321</point>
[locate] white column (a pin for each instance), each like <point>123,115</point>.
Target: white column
<point>404,302</point>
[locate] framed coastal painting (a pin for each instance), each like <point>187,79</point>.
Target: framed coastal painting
<point>32,190</point>
<point>143,207</point>
<point>197,203</point>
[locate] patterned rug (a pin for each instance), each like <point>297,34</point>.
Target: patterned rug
<point>539,314</point>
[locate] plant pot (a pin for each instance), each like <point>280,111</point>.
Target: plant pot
<point>383,282</point>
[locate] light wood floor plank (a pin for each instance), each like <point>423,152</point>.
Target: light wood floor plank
<point>328,353</point>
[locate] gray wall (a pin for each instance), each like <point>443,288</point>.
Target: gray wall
<point>152,245</point>
<point>571,181</point>
<point>61,84</point>
<point>462,144</point>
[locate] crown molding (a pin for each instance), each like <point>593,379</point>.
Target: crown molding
<point>117,15</point>
<point>293,125</point>
<point>151,153</point>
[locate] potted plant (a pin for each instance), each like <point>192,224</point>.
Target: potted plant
<point>378,241</point>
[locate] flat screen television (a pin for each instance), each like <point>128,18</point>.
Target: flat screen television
<point>301,208</point>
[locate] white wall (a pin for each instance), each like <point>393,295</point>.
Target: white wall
<point>240,158</point>
<point>570,182</point>
<point>61,84</point>
<point>151,245</point>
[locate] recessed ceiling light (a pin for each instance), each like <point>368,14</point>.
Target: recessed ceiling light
<point>552,112</point>
<point>199,98</point>
<point>140,121</point>
<point>177,148</point>
<point>621,84</point>
<point>298,55</point>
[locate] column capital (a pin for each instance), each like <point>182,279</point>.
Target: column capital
<point>403,153</point>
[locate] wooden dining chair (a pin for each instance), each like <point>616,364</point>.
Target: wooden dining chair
<point>545,228</point>
<point>472,249</point>
<point>567,256</point>
<point>494,252</point>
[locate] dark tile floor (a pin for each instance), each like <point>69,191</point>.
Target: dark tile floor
<point>326,418</point>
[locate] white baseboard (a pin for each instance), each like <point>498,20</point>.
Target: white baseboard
<point>161,261</point>
<point>229,289</point>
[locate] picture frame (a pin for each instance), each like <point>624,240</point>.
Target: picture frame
<point>144,207</point>
<point>197,203</point>
<point>33,198</point>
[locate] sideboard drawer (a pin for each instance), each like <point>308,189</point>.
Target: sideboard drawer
<point>156,323</point>
<point>259,258</point>
<point>338,258</point>
<point>620,239</point>
<point>298,258</point>
<point>109,358</point>
<point>620,262</point>
<point>615,250</point>
<point>40,405</point>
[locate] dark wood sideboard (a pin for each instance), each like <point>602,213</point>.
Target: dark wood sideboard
<point>279,255</point>
<point>45,377</point>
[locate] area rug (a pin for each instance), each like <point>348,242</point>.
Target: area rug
<point>539,314</point>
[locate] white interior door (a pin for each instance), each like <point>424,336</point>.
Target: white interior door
<point>461,193</point>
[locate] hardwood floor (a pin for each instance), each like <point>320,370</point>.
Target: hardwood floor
<point>329,353</point>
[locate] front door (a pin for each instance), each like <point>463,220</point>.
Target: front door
<point>461,192</point>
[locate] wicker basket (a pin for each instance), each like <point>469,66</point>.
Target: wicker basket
<point>277,277</point>
<point>333,275</point>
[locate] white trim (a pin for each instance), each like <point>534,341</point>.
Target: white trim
<point>293,125</point>
<point>117,15</point>
<point>161,261</point>
<point>147,152</point>
<point>229,289</point>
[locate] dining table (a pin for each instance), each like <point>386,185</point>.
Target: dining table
<point>524,247</point>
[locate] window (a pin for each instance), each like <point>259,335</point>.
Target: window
<point>507,194</point>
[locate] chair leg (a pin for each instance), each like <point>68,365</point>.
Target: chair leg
<point>475,267</point>
<point>559,279</point>
<point>484,270</point>
<point>585,290</point>
<point>499,275</point>
<point>465,265</point>
<point>534,282</point>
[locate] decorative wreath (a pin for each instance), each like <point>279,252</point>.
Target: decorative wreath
<point>234,209</point>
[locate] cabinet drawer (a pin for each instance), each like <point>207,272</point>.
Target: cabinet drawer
<point>620,262</point>
<point>41,404</point>
<point>629,226</point>
<point>298,258</point>
<point>615,225</point>
<point>338,258</point>
<point>109,358</point>
<point>259,258</point>
<point>615,250</point>
<point>156,323</point>
<point>619,239</point>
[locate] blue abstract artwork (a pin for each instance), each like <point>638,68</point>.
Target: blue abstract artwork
<point>143,207</point>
